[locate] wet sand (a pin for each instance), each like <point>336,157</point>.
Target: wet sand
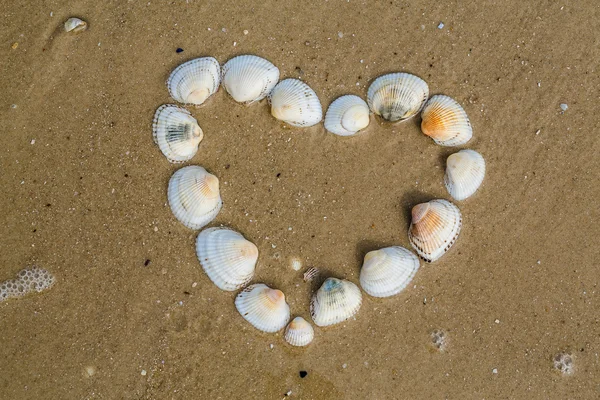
<point>85,197</point>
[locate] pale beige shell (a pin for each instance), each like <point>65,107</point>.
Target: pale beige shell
<point>299,332</point>
<point>397,96</point>
<point>263,307</point>
<point>445,121</point>
<point>465,171</point>
<point>334,302</point>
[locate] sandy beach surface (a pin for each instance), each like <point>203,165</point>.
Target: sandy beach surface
<point>133,316</point>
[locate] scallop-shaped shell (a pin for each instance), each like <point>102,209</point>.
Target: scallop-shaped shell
<point>194,196</point>
<point>263,307</point>
<point>347,115</point>
<point>299,332</point>
<point>176,133</point>
<point>249,78</point>
<point>294,102</point>
<point>75,25</point>
<point>388,271</point>
<point>334,302</point>
<point>398,96</point>
<point>434,228</point>
<point>227,257</point>
<point>445,121</point>
<point>465,171</point>
<point>194,81</point>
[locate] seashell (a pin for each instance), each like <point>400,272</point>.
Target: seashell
<point>347,115</point>
<point>388,271</point>
<point>334,302</point>
<point>249,78</point>
<point>263,307</point>
<point>445,121</point>
<point>465,171</point>
<point>194,196</point>
<point>194,81</point>
<point>176,133</point>
<point>227,257</point>
<point>398,96</point>
<point>311,274</point>
<point>299,332</point>
<point>75,25</point>
<point>295,103</point>
<point>434,228</point>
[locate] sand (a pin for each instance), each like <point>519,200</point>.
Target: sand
<point>84,196</point>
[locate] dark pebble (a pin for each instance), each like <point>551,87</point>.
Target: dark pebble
<point>303,374</point>
<point>179,50</point>
<point>147,262</point>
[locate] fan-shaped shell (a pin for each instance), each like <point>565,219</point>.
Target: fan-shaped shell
<point>388,271</point>
<point>194,81</point>
<point>227,257</point>
<point>445,121</point>
<point>334,302</point>
<point>75,25</point>
<point>176,133</point>
<point>465,171</point>
<point>194,196</point>
<point>263,307</point>
<point>299,332</point>
<point>249,78</point>
<point>434,228</point>
<point>347,115</point>
<point>398,96</point>
<point>295,103</point>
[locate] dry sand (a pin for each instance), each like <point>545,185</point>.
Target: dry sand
<point>87,200</point>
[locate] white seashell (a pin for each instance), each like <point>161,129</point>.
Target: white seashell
<point>295,103</point>
<point>347,115</point>
<point>194,81</point>
<point>334,302</point>
<point>194,196</point>
<point>445,121</point>
<point>398,96</point>
<point>249,78</point>
<point>227,257</point>
<point>176,133</point>
<point>434,228</point>
<point>388,271</point>
<point>299,332</point>
<point>263,307</point>
<point>75,25</point>
<point>310,274</point>
<point>465,171</point>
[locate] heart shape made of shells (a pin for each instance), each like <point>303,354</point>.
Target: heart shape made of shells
<point>229,259</point>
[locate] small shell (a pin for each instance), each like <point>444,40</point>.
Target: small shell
<point>176,133</point>
<point>334,302</point>
<point>194,81</point>
<point>434,228</point>
<point>227,257</point>
<point>398,96</point>
<point>194,196</point>
<point>347,115</point>
<point>294,102</point>
<point>465,171</point>
<point>311,274</point>
<point>388,271</point>
<point>445,121</point>
<point>263,307</point>
<point>75,25</point>
<point>299,332</point>
<point>249,78</point>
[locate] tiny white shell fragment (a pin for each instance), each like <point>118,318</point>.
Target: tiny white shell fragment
<point>249,78</point>
<point>434,228</point>
<point>347,115</point>
<point>295,103</point>
<point>465,171</point>
<point>227,257</point>
<point>194,81</point>
<point>386,272</point>
<point>263,307</point>
<point>334,302</point>
<point>75,25</point>
<point>397,96</point>
<point>176,133</point>
<point>194,196</point>
<point>445,121</point>
<point>299,332</point>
